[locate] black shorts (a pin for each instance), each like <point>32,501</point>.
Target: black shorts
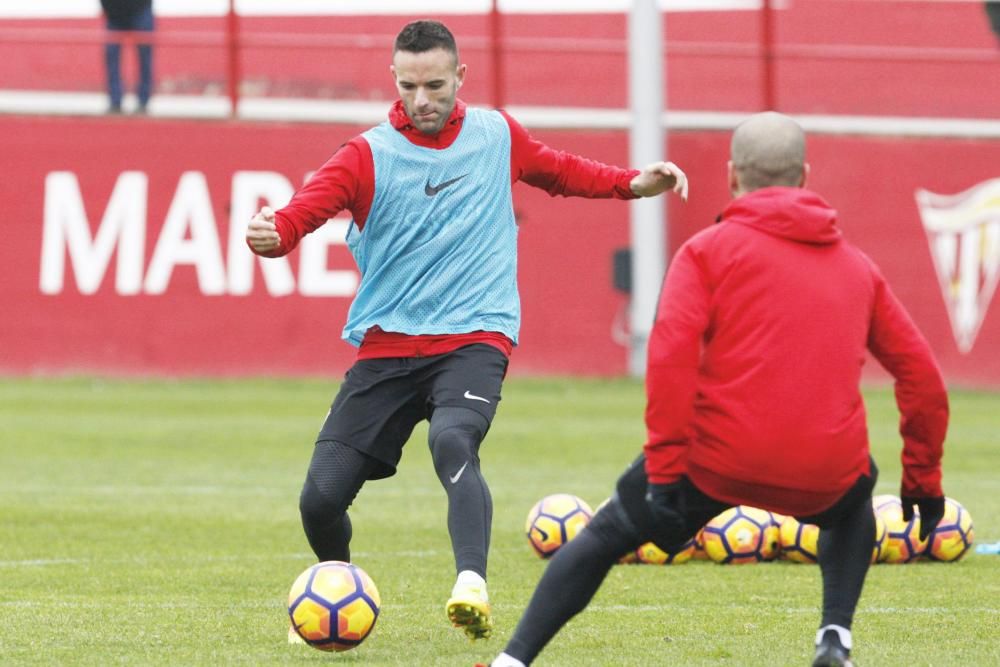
<point>381,400</point>
<point>633,516</point>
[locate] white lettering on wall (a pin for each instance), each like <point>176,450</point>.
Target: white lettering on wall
<point>189,237</point>
<point>65,228</point>
<point>315,279</point>
<point>249,187</point>
<point>190,211</point>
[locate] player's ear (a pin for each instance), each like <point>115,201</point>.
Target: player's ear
<point>392,70</point>
<point>460,75</point>
<point>805,175</point>
<point>734,180</point>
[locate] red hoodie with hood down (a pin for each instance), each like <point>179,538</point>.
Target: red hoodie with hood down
<point>755,362</point>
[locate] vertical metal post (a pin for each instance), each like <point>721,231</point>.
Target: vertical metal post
<point>233,58</point>
<point>496,42</point>
<point>767,55</point>
<point>647,143</point>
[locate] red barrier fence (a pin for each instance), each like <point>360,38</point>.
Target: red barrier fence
<point>898,57</point>
<point>124,248</point>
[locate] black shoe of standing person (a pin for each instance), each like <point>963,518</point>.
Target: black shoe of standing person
<point>831,653</point>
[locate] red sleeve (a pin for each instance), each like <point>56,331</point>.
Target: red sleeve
<point>560,173</point>
<point>921,396</point>
<point>672,370</point>
<point>345,182</point>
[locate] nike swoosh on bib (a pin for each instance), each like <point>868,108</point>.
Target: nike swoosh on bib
<point>431,190</point>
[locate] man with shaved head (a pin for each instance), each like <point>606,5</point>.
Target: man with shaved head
<point>768,149</point>
<point>752,391</point>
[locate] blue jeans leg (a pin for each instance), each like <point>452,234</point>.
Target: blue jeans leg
<point>112,62</point>
<point>145,90</point>
<point>144,22</point>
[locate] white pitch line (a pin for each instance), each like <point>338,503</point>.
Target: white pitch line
<point>43,562</point>
<point>133,604</point>
<point>296,556</point>
<point>140,490</point>
<point>795,610</point>
<point>137,560</point>
<point>386,605</point>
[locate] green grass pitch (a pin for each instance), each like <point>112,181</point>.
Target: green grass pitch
<point>156,522</point>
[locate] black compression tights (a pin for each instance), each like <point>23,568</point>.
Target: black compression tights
<point>570,581</point>
<point>845,550</point>
<point>577,570</point>
<point>336,473</point>
<point>454,439</point>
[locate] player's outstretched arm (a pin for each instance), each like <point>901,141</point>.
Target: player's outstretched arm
<point>659,177</point>
<point>262,233</point>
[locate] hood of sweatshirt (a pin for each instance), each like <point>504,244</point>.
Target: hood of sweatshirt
<point>791,213</point>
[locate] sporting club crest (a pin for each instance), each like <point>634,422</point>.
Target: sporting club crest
<point>963,231</point>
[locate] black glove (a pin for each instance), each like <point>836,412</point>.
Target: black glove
<point>931,512</point>
<point>666,504</point>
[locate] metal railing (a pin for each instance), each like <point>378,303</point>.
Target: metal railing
<point>234,41</point>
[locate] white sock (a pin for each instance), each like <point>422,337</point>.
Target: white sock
<point>504,660</point>
<point>468,578</point>
<point>844,633</point>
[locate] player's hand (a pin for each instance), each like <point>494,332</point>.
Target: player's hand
<point>666,504</point>
<point>931,512</point>
<point>262,234</point>
<point>659,177</point>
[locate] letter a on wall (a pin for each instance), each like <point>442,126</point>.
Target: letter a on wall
<point>963,231</point>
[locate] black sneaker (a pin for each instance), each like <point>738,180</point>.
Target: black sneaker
<point>831,653</point>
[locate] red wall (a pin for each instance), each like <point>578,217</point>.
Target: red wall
<point>565,261</point>
<point>895,57</point>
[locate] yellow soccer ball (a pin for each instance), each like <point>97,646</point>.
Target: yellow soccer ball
<point>555,520</point>
<point>902,541</point>
<point>653,555</point>
<point>799,541</point>
<point>333,605</point>
<point>953,536</point>
<point>741,534</point>
<point>881,539</point>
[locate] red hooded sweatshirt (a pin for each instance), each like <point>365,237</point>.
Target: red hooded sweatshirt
<point>755,361</point>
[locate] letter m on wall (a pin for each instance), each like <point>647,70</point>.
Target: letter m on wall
<point>66,232</point>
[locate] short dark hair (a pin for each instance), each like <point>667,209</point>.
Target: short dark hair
<point>425,35</point>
